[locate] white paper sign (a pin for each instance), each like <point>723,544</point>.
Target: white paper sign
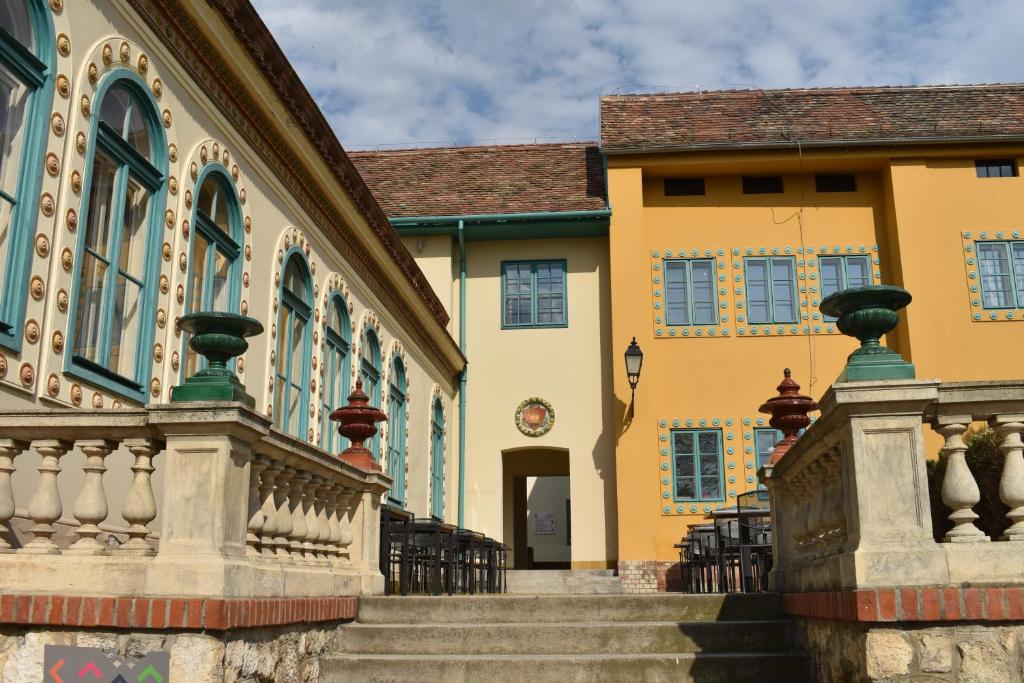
<point>543,523</point>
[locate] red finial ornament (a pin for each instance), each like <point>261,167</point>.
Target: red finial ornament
<point>789,413</point>
<point>358,423</point>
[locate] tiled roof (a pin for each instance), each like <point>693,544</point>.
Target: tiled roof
<point>827,115</point>
<point>458,181</point>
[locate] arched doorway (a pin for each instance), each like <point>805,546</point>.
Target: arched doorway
<point>537,510</point>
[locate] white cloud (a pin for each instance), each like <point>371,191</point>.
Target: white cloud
<point>409,71</point>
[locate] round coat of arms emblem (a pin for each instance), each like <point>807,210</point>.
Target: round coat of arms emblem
<point>535,417</point>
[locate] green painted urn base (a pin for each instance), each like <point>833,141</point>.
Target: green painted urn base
<point>868,367</point>
<point>219,337</point>
<point>198,388</point>
<point>867,313</point>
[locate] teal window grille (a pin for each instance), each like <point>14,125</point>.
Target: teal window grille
<point>437,460</point>
<point>397,399</point>
<point>115,293</point>
<point>697,459</point>
<point>26,93</point>
<point>691,297</point>
<point>771,289</point>
<point>337,366</point>
<point>369,370</point>
<point>843,272</point>
<point>1002,273</point>
<point>533,294</point>
<point>213,280</point>
<point>294,346</point>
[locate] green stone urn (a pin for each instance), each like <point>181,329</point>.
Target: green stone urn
<point>867,313</point>
<point>218,337</point>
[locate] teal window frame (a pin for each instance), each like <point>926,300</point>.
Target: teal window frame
<point>686,265</point>
<point>294,307</point>
<point>699,496</point>
<point>228,245</point>
<point>770,287</point>
<point>397,400</point>
<point>337,365</point>
<point>370,372</point>
<point>437,460</point>
<point>534,301</point>
<point>36,70</point>
<point>844,260</point>
<point>1014,253</point>
<point>152,176</point>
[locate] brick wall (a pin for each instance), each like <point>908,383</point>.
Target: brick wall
<point>649,576</point>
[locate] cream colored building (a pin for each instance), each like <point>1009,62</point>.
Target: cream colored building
<point>527,225</point>
<point>161,158</point>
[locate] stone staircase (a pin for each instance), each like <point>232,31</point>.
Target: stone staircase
<point>563,582</point>
<point>496,638</point>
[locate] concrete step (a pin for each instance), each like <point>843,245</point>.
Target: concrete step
<point>506,609</point>
<point>650,668</point>
<point>563,582</point>
<point>567,639</point>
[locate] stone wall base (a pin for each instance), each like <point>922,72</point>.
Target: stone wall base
<point>649,576</point>
<point>279,654</point>
<point>852,651</point>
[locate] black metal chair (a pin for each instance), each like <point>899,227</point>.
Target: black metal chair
<point>754,511</point>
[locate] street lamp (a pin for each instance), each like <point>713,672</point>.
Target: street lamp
<point>634,361</point>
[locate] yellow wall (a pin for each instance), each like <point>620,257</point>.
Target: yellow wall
<point>569,367</point>
<point>727,376</point>
<point>934,202</point>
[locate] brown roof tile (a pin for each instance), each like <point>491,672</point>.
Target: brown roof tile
<point>457,181</point>
<point>826,115</point>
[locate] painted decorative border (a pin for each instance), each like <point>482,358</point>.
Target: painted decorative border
<point>731,292</point>
<point>979,313</point>
<point>525,428</point>
<point>738,456</point>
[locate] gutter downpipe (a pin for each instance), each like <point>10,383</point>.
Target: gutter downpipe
<point>463,375</point>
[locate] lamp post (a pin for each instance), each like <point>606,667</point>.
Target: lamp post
<point>634,361</point>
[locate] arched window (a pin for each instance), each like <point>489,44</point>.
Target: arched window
<point>369,370</point>
<point>396,431</point>
<point>213,280</point>
<point>437,460</point>
<point>26,91</point>
<point>118,249</point>
<point>337,367</point>
<point>294,347</point>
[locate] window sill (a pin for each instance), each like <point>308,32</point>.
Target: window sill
<point>115,384</point>
<point>553,326</point>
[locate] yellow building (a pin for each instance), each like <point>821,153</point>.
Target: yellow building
<point>514,241</point>
<point>734,213</point>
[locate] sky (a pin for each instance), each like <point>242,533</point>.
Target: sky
<point>401,73</point>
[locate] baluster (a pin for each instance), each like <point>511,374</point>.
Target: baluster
<point>309,544</point>
<point>295,501</point>
<point>959,490</point>
<point>45,507</point>
<point>254,529</point>
<point>91,506</point>
<point>324,539</point>
<point>345,508</point>
<point>269,507</point>
<point>1011,483</point>
<point>9,450</point>
<point>140,505</point>
<point>283,518</point>
<point>331,494</point>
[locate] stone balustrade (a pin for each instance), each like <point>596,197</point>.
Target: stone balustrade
<point>850,504</point>
<point>244,510</point>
